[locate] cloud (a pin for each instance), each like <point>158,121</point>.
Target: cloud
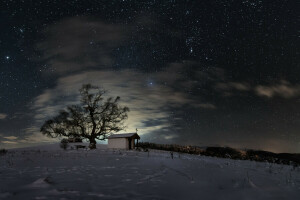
<point>33,135</point>
<point>3,116</point>
<point>169,137</point>
<point>147,102</point>
<point>9,142</point>
<point>79,43</point>
<point>283,89</point>
<point>79,50</point>
<point>228,88</point>
<point>206,105</point>
<point>11,137</point>
<point>19,115</point>
<point>232,86</point>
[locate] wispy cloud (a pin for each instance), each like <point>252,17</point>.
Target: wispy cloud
<point>11,137</point>
<point>33,135</point>
<point>283,89</point>
<point>146,101</point>
<point>79,51</point>
<point>228,88</point>
<point>3,116</point>
<point>9,142</point>
<point>79,43</point>
<point>206,105</point>
<point>233,86</point>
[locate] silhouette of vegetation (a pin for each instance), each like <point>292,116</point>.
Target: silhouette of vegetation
<point>3,151</point>
<point>94,118</point>
<point>64,143</point>
<point>227,152</point>
<point>74,140</point>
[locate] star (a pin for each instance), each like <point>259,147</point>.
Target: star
<point>150,83</point>
<point>7,57</point>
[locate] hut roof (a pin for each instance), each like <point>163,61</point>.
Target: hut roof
<point>124,135</point>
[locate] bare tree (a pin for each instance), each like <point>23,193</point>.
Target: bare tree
<point>95,118</point>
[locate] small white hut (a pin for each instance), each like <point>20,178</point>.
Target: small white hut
<point>123,141</point>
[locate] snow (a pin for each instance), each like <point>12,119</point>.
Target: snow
<point>48,172</point>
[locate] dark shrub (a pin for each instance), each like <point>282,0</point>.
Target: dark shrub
<point>64,143</point>
<point>74,139</point>
<point>92,145</point>
<point>224,152</point>
<point>3,151</point>
<point>227,152</point>
<point>80,147</point>
<point>78,139</point>
<point>281,158</point>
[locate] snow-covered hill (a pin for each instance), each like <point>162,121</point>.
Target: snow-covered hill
<point>49,172</point>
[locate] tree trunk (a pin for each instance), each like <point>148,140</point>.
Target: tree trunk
<point>93,140</point>
<point>92,143</point>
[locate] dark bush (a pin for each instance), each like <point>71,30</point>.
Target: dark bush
<point>80,147</point>
<point>74,140</point>
<point>281,158</point>
<point>92,145</point>
<point>3,151</point>
<point>64,143</point>
<point>224,152</point>
<point>78,140</point>
<point>227,152</point>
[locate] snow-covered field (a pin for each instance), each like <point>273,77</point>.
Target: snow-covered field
<point>52,173</point>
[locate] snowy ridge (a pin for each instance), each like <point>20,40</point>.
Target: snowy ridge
<point>52,173</point>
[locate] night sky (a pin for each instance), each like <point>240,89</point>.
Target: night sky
<point>202,73</point>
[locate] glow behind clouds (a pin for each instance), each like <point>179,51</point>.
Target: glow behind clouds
<point>192,72</point>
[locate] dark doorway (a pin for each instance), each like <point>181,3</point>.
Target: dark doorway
<point>129,140</point>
